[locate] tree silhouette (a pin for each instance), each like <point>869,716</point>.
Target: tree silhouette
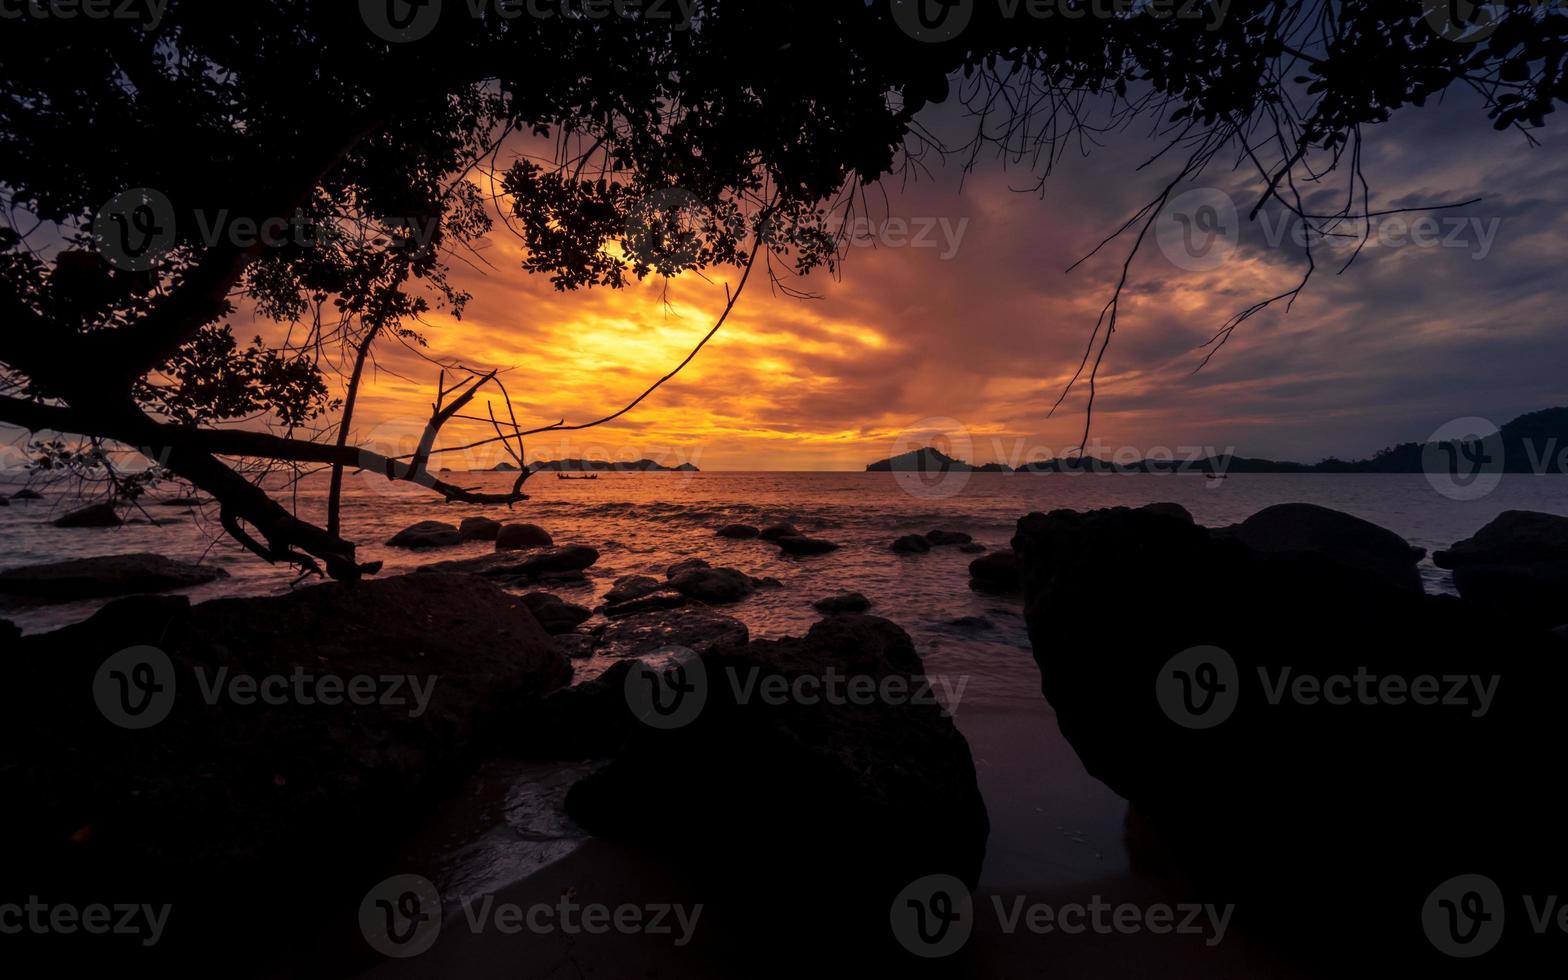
<point>314,160</point>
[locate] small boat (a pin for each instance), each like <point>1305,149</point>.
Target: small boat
<point>563,476</point>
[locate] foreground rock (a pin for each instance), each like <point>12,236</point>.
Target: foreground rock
<point>426,535</point>
<point>1167,509</point>
<point>1258,772</point>
<point>1293,529</point>
<point>555,615</point>
<point>844,804</point>
<point>802,546</point>
<point>845,602</point>
<point>97,515</point>
<point>1516,565</point>
<point>386,691</point>
<point>522,568</point>
<point>111,575</point>
<point>519,537</point>
<point>479,529</point>
<point>738,532</point>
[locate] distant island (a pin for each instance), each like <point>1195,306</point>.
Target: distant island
<point>605,466</point>
<point>1533,443</point>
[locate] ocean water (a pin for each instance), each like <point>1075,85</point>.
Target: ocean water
<point>1051,821</point>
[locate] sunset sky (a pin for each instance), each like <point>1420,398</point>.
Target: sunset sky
<point>974,332</point>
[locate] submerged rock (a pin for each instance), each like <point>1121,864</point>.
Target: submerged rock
<point>773,532</point>
<point>27,495</point>
<point>804,546</point>
<point>519,537</point>
<point>479,529</point>
<point>844,602</point>
<point>96,515</point>
<point>892,771</point>
<point>1516,565</point>
<point>111,575</point>
<point>1293,529</point>
<point>738,532</point>
<point>940,537</point>
<point>425,535</point>
<point>973,623</point>
<point>911,544</point>
<point>973,548</point>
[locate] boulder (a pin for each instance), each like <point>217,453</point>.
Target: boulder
<point>683,565</point>
<point>894,773</point>
<point>803,546</point>
<point>425,535</point>
<point>911,544</point>
<point>629,587</point>
<point>535,565</point>
<point>519,537</point>
<point>479,529</point>
<point>1517,565</point>
<point>343,713</point>
<point>1170,510</point>
<point>95,515</point>
<point>652,602</point>
<point>939,537</point>
<point>111,575</point>
<point>1293,529</point>
<point>554,614</point>
<point>1125,610</point>
<point>27,495</point>
<point>844,602</point>
<point>773,532</point>
<point>738,532</point>
<point>996,572</point>
<point>714,586</point>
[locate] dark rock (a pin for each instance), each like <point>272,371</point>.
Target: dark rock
<point>519,537</point>
<point>683,565</point>
<point>1170,510</point>
<point>801,546</point>
<point>997,571</point>
<point>652,602</point>
<point>586,721</point>
<point>911,544</point>
<point>111,575</point>
<point>767,582</point>
<point>714,586</point>
<point>1517,566</point>
<point>96,515</point>
<point>973,623</point>
<point>555,614</point>
<point>974,548</point>
<point>844,602</point>
<point>693,627</point>
<point>1290,529</point>
<point>895,775</point>
<point>479,529</point>
<point>948,537</point>
<point>781,530</point>
<point>236,800</point>
<point>547,563</point>
<point>4,502</point>
<point>426,534</point>
<point>631,587</point>
<point>27,495</point>
<point>577,646</point>
<point>9,631</point>
<point>1561,631</point>
<point>739,532</point>
<point>1367,791</point>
